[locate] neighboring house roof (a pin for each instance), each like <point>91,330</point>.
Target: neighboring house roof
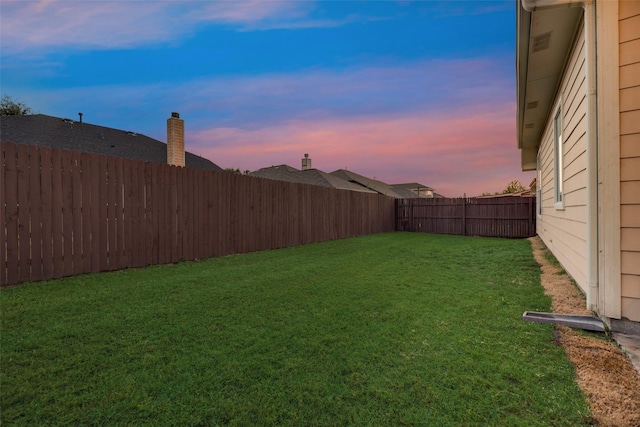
<point>309,176</point>
<point>372,184</point>
<point>417,189</point>
<point>413,186</point>
<point>342,179</point>
<point>48,131</point>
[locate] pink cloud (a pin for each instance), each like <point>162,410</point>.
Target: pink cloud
<point>247,11</point>
<point>468,151</point>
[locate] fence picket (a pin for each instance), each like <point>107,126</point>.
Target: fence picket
<point>24,237</point>
<point>10,266</point>
<point>36,215</point>
<point>85,179</point>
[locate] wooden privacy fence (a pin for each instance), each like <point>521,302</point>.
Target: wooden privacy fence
<point>512,217</point>
<point>66,213</point>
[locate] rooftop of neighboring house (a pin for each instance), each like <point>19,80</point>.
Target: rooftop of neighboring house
<point>413,186</point>
<point>372,184</point>
<point>343,179</point>
<point>420,189</point>
<point>55,132</point>
<point>398,191</point>
<point>309,176</point>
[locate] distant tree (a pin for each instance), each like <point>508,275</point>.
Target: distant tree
<point>9,107</point>
<point>237,171</point>
<point>514,186</point>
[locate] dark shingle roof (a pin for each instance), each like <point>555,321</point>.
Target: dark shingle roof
<point>372,184</point>
<point>411,189</point>
<point>412,185</point>
<point>48,131</point>
<point>309,176</point>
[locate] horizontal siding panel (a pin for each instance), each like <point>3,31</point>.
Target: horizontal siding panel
<point>630,262</point>
<point>629,76</point>
<point>567,253</point>
<point>630,99</point>
<point>575,231</point>
<point>575,198</point>
<point>630,169</point>
<point>630,122</point>
<point>577,165</point>
<point>630,145</point>
<point>628,9</point>
<point>630,52</point>
<point>631,309</point>
<point>574,105</point>
<point>630,192</point>
<point>571,233</point>
<point>631,285</point>
<point>576,182</point>
<point>574,75</point>
<point>576,144</point>
<point>630,239</point>
<point>630,29</point>
<point>577,214</point>
<point>630,216</point>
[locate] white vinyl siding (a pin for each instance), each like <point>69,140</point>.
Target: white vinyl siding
<point>563,197</point>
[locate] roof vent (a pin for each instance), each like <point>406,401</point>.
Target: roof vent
<point>132,133</point>
<point>531,105</point>
<point>541,42</point>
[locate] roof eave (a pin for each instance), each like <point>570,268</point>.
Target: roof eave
<point>554,18</point>
<point>523,25</point>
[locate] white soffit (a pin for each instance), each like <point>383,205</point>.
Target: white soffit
<point>542,54</point>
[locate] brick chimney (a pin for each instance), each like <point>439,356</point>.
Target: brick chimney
<point>306,162</point>
<point>175,140</point>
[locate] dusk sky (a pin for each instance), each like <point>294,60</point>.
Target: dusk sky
<point>403,91</point>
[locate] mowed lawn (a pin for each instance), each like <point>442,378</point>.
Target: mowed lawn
<point>384,330</point>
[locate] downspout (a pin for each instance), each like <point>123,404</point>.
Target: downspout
<point>589,22</point>
<point>593,262</point>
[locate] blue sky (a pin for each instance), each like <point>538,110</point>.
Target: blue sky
<point>401,91</point>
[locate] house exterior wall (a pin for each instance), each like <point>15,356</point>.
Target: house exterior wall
<point>629,42</point>
<point>564,230</point>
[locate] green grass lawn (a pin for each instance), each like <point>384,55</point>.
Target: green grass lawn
<point>390,329</point>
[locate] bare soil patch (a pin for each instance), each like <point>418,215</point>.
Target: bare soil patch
<point>604,372</point>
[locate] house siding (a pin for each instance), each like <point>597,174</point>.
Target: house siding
<point>629,33</point>
<point>565,231</point>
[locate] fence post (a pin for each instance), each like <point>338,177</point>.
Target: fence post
<point>464,215</point>
<point>532,226</point>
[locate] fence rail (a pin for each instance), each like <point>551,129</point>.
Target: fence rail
<point>512,217</point>
<point>66,213</point>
